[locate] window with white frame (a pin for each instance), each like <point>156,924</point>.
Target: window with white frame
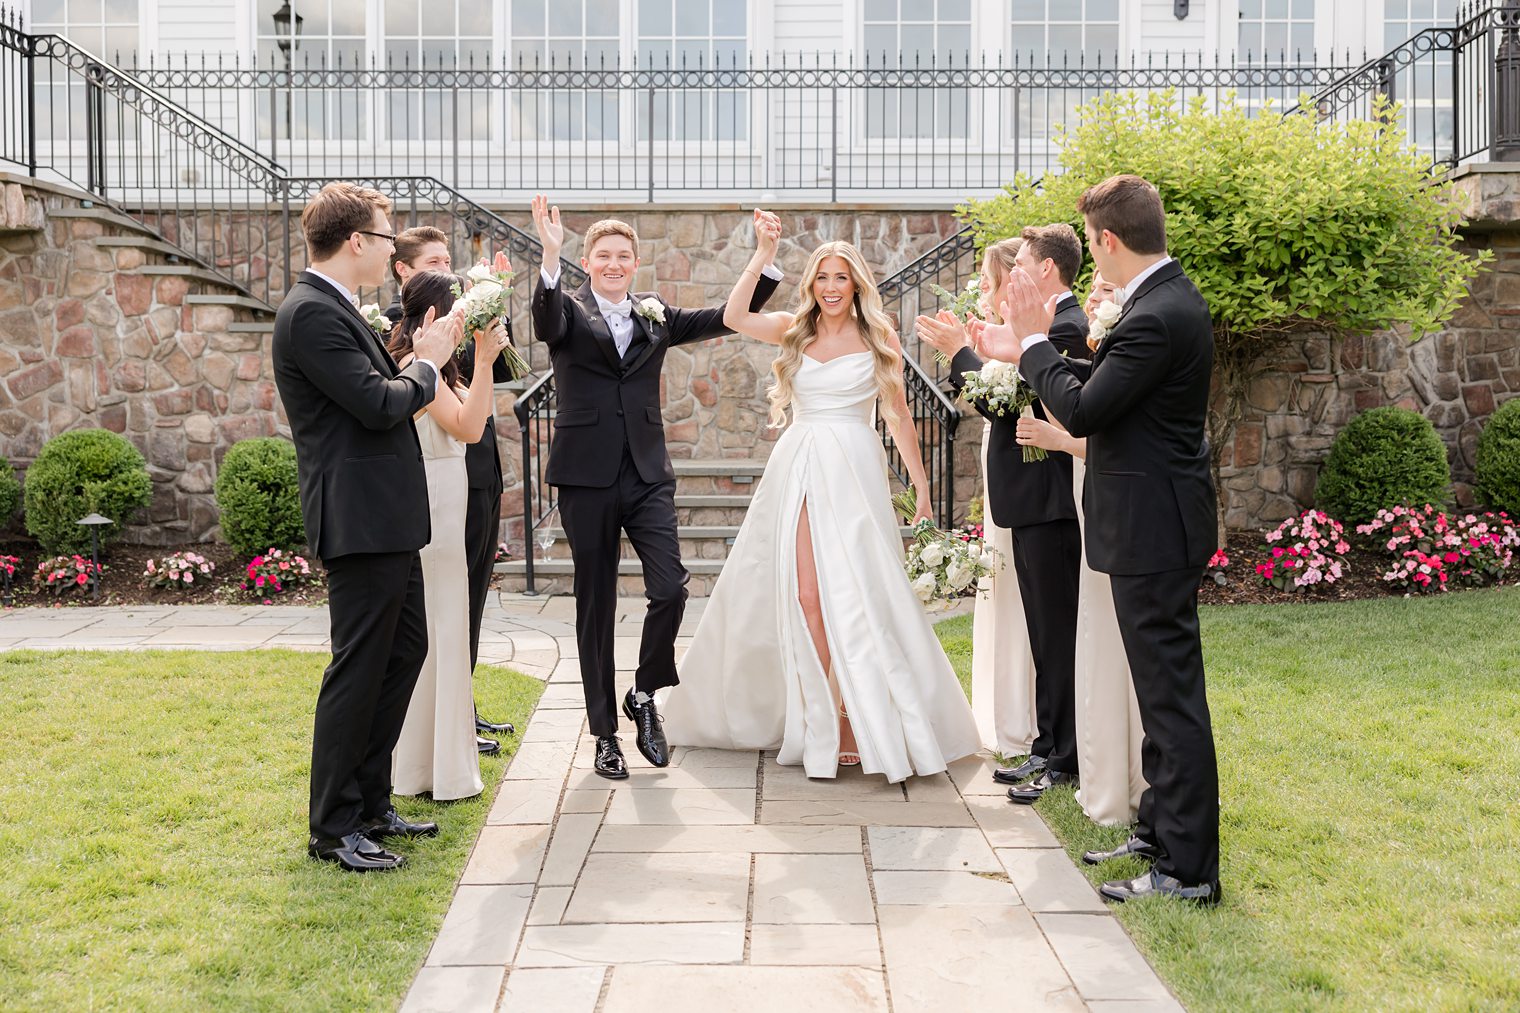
<point>684,35</point>
<point>565,35</point>
<point>312,35</point>
<point>1276,31</point>
<point>1424,86</point>
<point>105,28</point>
<point>916,34</point>
<point>441,34</point>
<point>1057,34</point>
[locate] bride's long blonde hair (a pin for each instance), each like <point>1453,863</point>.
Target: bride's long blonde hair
<point>875,329</point>
<point>999,257</point>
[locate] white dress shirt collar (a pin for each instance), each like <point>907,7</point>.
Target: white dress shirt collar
<point>1139,279</point>
<point>335,283</point>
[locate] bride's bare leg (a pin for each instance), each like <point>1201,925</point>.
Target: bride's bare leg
<point>812,612</point>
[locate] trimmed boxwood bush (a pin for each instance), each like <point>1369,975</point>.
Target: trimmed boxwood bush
<point>1382,458</point>
<point>1498,463</point>
<point>77,473</point>
<point>258,496</point>
<point>10,492</point>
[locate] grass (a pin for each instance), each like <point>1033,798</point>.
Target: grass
<point>154,837</point>
<point>1370,776</point>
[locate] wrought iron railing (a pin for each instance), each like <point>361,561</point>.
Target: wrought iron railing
<point>535,425</point>
<point>935,417</point>
<point>910,292</point>
<point>807,128</point>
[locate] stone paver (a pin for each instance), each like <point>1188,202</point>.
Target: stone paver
<point>724,881</point>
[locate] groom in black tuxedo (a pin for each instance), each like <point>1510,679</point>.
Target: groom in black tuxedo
<point>365,507</point>
<point>1033,499</point>
<point>610,463</point>
<point>1142,403</point>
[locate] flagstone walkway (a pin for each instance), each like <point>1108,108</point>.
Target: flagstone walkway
<point>724,881</point>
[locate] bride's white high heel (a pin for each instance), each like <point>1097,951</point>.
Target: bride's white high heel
<point>851,758</point>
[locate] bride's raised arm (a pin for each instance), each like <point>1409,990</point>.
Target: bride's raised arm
<point>737,315</point>
<point>905,435</point>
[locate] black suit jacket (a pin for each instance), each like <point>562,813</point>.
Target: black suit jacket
<point>363,488</point>
<point>1019,492</point>
<point>1142,404</point>
<point>607,402</point>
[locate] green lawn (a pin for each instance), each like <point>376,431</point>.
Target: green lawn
<point>154,840</point>
<point>1370,774</point>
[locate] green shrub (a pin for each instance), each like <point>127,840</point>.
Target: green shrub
<point>258,496</point>
<point>1498,463</point>
<point>80,472</point>
<point>1382,458</point>
<point>10,492</point>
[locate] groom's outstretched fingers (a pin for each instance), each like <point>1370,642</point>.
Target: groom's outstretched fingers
<point>546,221</point>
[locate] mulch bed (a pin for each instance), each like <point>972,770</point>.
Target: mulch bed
<point>1242,587</point>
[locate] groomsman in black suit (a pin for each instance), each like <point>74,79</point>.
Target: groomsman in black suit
<point>1149,504</point>
<point>611,466</point>
<point>1033,499</point>
<point>365,507</point>
<point>425,248</point>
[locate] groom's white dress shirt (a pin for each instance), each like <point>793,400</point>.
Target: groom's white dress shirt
<point>619,316</point>
<point>353,300</point>
<point>1121,296</point>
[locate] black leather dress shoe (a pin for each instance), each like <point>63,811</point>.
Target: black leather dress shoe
<point>354,853</point>
<point>484,727</point>
<point>651,737</point>
<point>392,825</point>
<point>1029,794</point>
<point>1023,772</point>
<point>1154,884</point>
<point>1134,847</point>
<point>609,758</point>
<point>487,747</point>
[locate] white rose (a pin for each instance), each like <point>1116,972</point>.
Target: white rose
<point>1107,313</point>
<point>958,576</point>
<point>989,560</point>
<point>483,292</point>
<point>480,273</point>
<point>924,587</point>
<point>932,554</point>
<point>652,309</point>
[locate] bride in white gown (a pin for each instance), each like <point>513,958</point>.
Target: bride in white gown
<point>813,642</point>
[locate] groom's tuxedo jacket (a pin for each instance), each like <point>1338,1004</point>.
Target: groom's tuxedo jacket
<point>363,487</point>
<point>1142,403</point>
<point>607,402</point>
<point>1022,493</point>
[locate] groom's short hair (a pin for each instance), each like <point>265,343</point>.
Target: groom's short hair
<point>337,212</point>
<point>610,227</point>
<point>1130,208</point>
<point>1058,243</point>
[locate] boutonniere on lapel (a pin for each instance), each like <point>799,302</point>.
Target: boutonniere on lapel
<point>375,318</point>
<point>651,309</point>
<point>1105,316</point>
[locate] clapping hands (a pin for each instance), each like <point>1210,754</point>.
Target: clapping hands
<point>437,338</point>
<point>943,332</point>
<point>1024,313</point>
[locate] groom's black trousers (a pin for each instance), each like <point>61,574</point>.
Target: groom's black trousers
<point>1048,561</point>
<point>379,642</point>
<point>593,519</point>
<point>1179,812</point>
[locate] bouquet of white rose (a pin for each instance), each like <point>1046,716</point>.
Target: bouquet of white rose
<point>942,567</point>
<point>1003,391</point>
<point>487,301</point>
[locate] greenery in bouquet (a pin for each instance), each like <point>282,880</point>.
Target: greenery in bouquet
<point>942,565</point>
<point>488,300</point>
<point>1003,391</point>
<point>965,304</point>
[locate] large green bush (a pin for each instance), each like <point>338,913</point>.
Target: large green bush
<point>1498,463</point>
<point>258,496</point>
<point>1382,458</point>
<point>80,472</point>
<point>10,492</point>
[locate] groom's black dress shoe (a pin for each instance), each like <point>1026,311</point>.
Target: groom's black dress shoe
<point>1154,884</point>
<point>1023,772</point>
<point>391,825</point>
<point>1029,794</point>
<point>484,727</point>
<point>609,758</point>
<point>647,722</point>
<point>487,747</point>
<point>354,853</point>
<point>1132,848</point>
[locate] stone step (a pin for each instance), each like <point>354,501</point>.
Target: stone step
<point>139,242</point>
<point>717,478</point>
<point>240,301</point>
<point>106,217</point>
<point>555,576</point>
<point>199,274</point>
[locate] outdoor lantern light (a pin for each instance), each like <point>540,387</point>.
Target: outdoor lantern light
<point>94,522</point>
<point>282,26</point>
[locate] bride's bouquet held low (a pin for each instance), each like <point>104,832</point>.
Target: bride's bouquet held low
<point>941,566</point>
<point>487,300</point>
<point>1004,391</point>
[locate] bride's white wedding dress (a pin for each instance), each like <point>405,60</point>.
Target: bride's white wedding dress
<point>752,678</point>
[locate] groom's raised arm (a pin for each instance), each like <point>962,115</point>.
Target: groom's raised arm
<point>1133,367</point>
<point>550,315</point>
<point>687,326</point>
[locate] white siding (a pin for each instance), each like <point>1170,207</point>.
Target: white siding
<point>197,26</point>
<point>1156,30</point>
<point>808,27</point>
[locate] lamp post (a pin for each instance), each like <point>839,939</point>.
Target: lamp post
<point>287,30</point>
<point>1506,99</point>
<point>94,522</point>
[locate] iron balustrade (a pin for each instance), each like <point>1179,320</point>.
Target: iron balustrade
<point>935,418</point>
<point>535,409</point>
<point>910,292</point>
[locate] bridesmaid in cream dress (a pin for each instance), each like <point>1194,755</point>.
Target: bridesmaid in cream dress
<point>436,753</point>
<point>1109,734</point>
